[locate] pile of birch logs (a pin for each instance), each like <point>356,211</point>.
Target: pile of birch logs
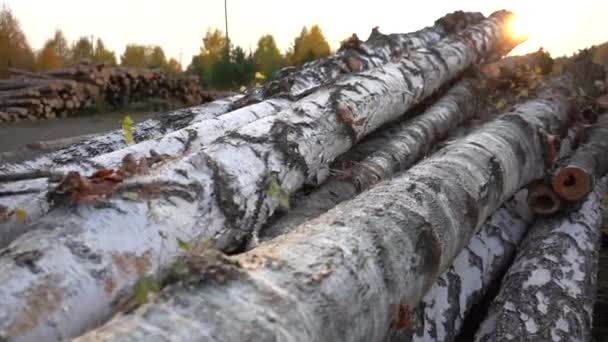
<point>374,195</point>
<point>44,95</point>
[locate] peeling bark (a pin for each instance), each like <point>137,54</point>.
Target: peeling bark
<point>391,150</point>
<point>343,276</point>
<point>442,312</point>
<point>220,192</point>
<point>549,291</point>
<point>576,177</point>
<point>357,56</point>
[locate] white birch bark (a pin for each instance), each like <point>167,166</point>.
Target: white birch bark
<point>443,309</point>
<point>343,276</point>
<point>391,150</point>
<point>549,291</point>
<point>357,56</point>
<point>94,253</point>
<point>175,144</point>
<point>378,50</point>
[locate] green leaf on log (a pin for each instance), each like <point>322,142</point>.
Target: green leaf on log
<point>143,287</point>
<point>127,129</point>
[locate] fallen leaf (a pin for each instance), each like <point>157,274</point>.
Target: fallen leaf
<point>501,103</point>
<point>21,215</point>
<point>183,245</point>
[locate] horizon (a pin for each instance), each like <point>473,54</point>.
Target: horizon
<point>184,23</point>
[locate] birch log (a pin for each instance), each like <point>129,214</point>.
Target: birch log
<point>379,49</point>
<point>114,140</point>
<point>343,276</point>
<point>176,144</point>
<point>549,291</point>
<point>391,150</point>
<point>88,256</point>
<point>356,56</point>
<point>442,312</point>
<point>576,177</point>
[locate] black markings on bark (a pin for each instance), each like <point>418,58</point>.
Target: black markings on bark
<point>82,251</point>
<point>280,132</point>
<point>192,134</point>
<point>225,194</point>
<point>28,259</point>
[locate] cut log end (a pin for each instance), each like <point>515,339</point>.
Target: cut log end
<point>543,200</point>
<point>572,183</point>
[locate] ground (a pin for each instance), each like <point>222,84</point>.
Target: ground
<point>14,136</point>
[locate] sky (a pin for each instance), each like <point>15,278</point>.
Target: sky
<point>561,27</point>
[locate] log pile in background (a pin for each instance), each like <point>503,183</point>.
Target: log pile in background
<point>124,222</point>
<point>31,96</point>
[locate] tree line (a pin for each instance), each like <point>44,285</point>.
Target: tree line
<point>219,64</point>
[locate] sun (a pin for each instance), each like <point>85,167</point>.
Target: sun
<point>520,27</point>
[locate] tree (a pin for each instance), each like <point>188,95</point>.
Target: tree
<point>14,48</point>
<point>103,55</point>
<point>267,57</point>
<point>134,56</point>
<point>214,43</point>
<point>82,49</point>
<point>48,59</point>
<point>59,44</point>
<point>155,57</point>
<point>309,45</point>
<point>173,66</point>
<point>205,63</point>
<point>601,54</point>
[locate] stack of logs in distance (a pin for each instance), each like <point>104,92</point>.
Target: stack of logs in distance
<point>375,195</point>
<point>45,95</point>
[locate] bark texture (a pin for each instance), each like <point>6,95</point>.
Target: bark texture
<point>391,150</point>
<point>549,291</point>
<point>114,140</point>
<point>342,276</point>
<point>576,177</point>
<point>200,132</point>
<point>357,56</point>
<point>354,57</point>
<point>442,312</point>
<point>220,192</point>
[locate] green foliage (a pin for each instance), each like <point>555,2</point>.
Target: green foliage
<point>127,129</point>
<point>141,56</point>
<point>218,67</point>
<point>155,57</point>
<point>173,66</point>
<point>183,245</point>
<point>275,190</point>
<point>103,55</point>
<point>144,287</point>
<point>82,50</point>
<point>309,45</point>
<point>134,56</point>
<point>267,57</point>
<point>14,49</point>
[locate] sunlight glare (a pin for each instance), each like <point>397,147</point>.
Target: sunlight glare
<point>520,27</point>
